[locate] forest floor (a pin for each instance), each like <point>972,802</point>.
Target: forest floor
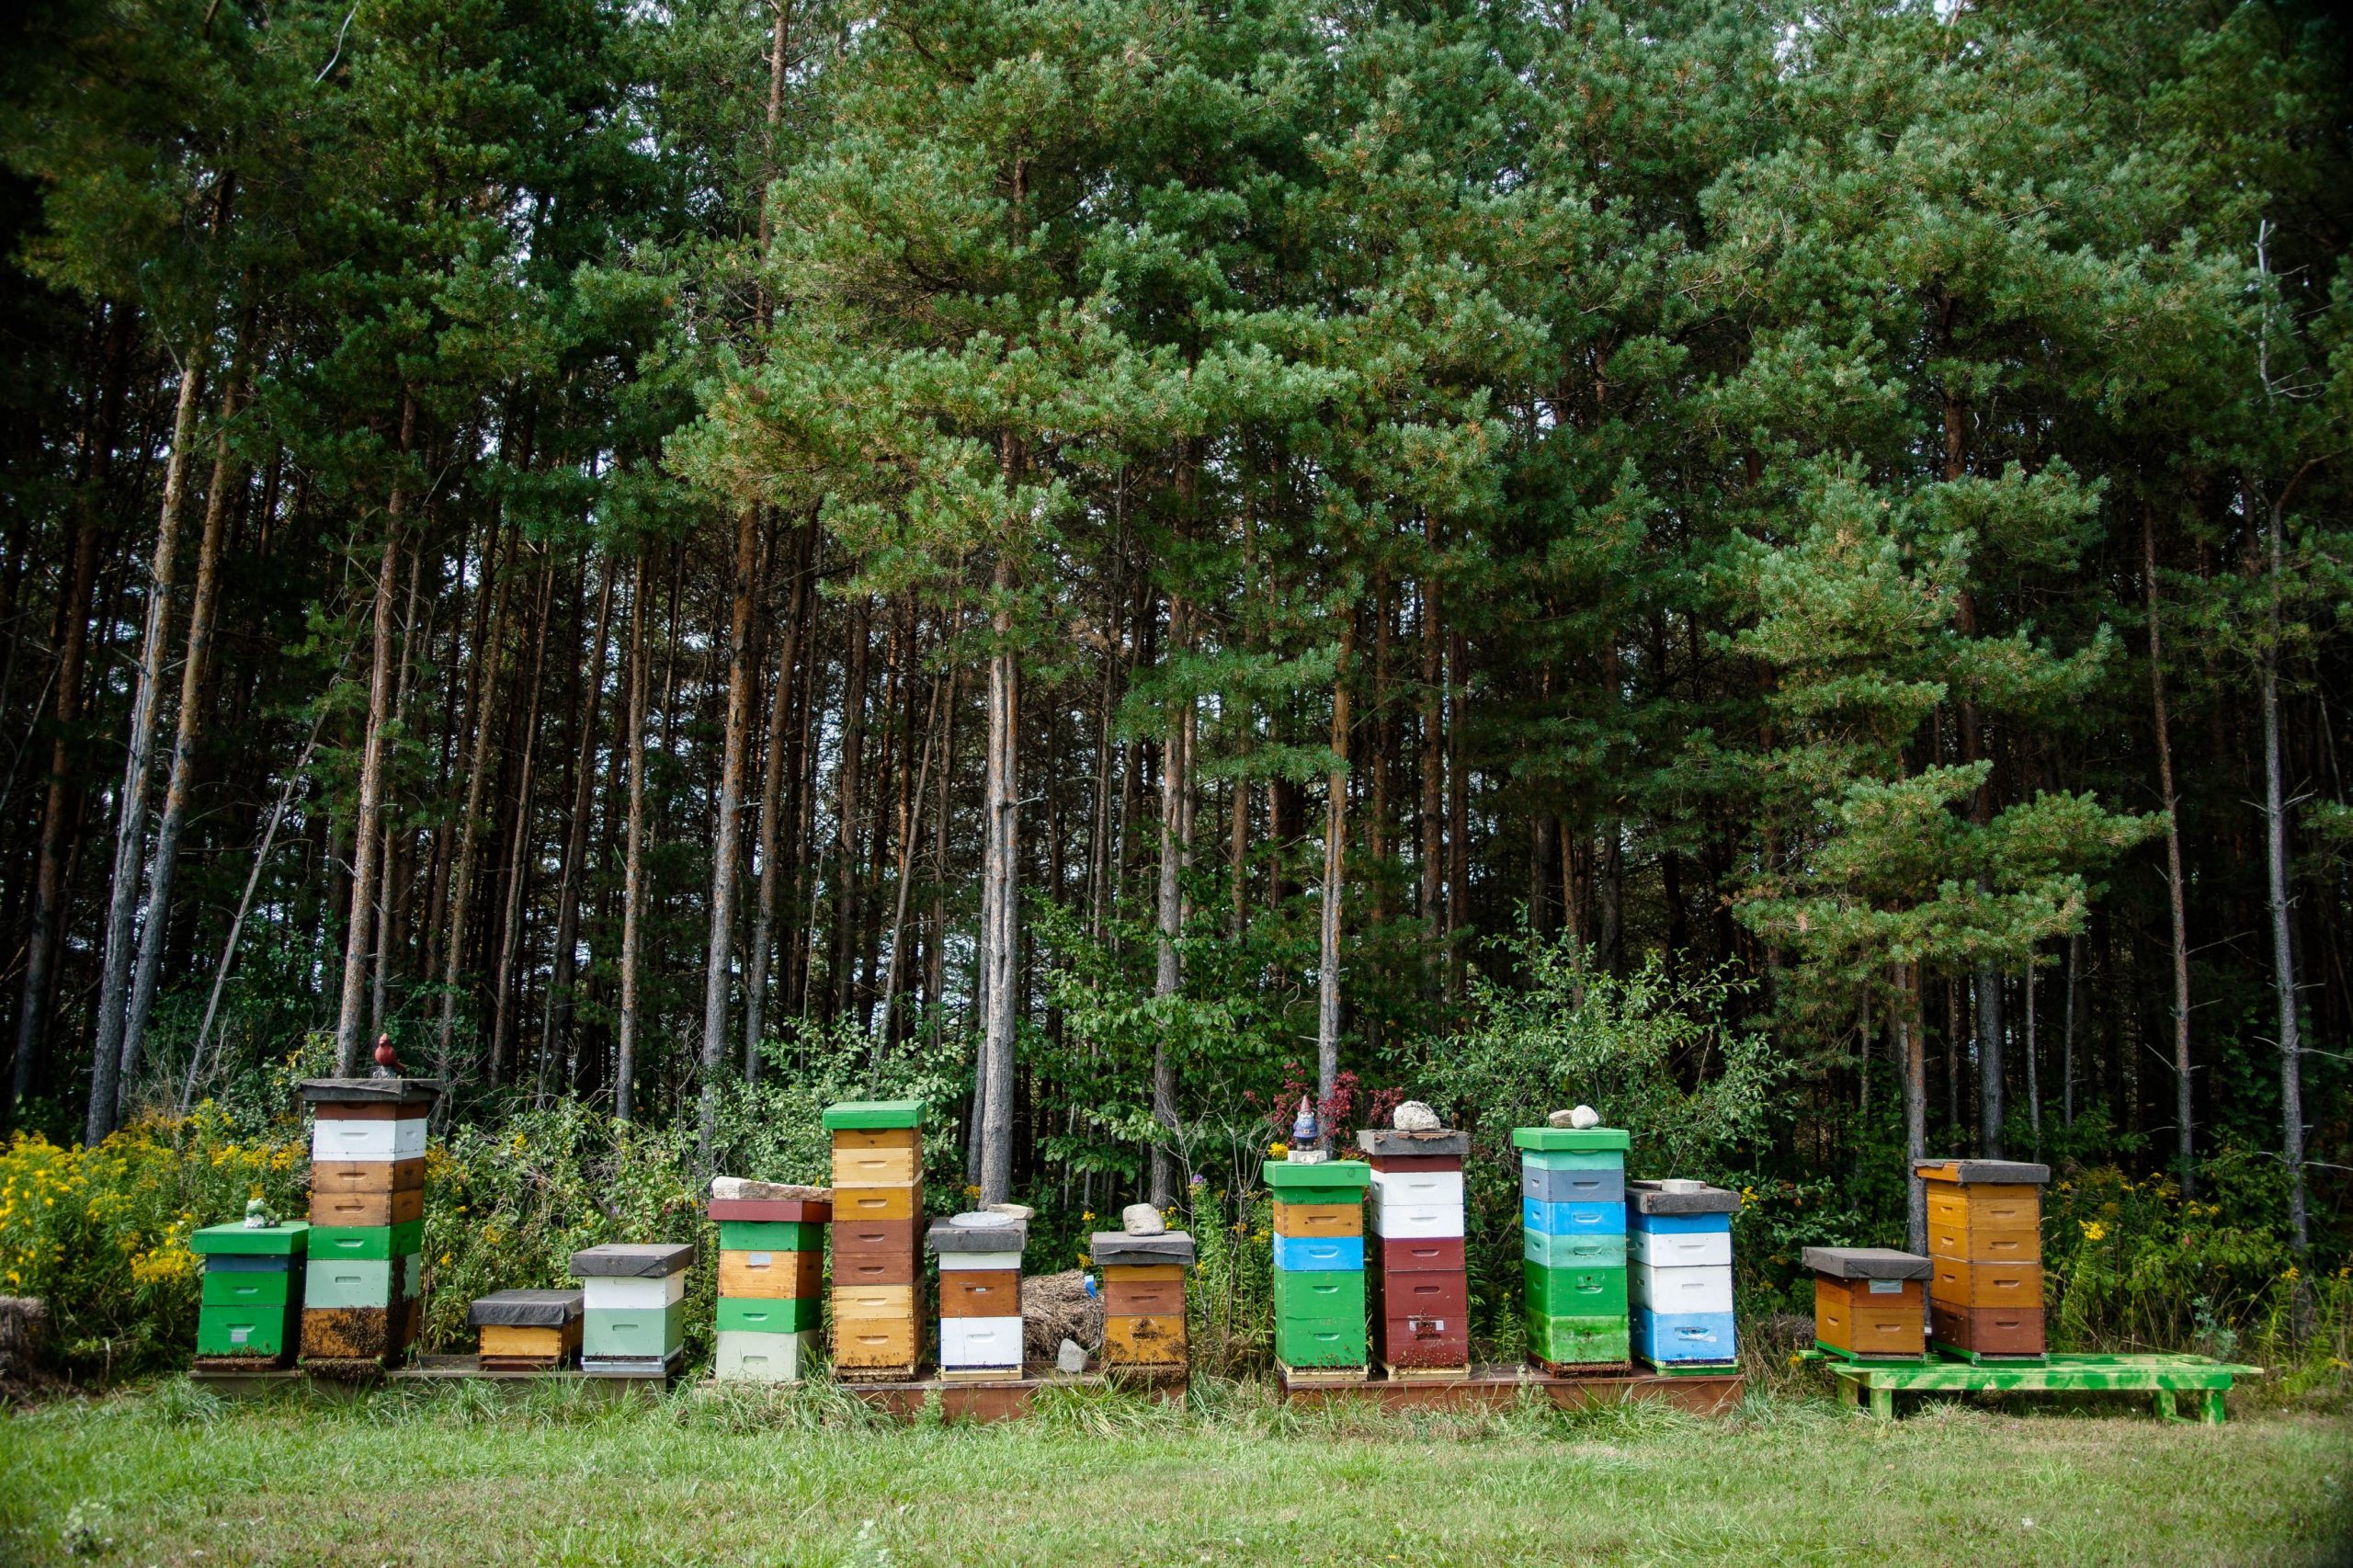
<point>174,1474</point>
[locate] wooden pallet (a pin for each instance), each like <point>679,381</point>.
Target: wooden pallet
<point>1982,1359</point>
<point>1002,1398</point>
<point>1692,1369</point>
<point>1500,1386</point>
<point>1321,1376</point>
<point>2163,1378</point>
<point>861,1375</point>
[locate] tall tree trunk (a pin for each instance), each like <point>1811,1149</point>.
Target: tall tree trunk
<point>1000,871</point>
<point>1334,893</point>
<point>2067,1034</point>
<point>359,931</point>
<point>490,656</point>
<point>2033,1069</point>
<point>1910,1053</point>
<point>633,876</point>
<point>2176,899</point>
<point>1457,822</point>
<point>848,779</point>
<point>910,827</point>
<point>726,848</point>
<point>130,814</point>
<point>576,846</point>
<point>779,751</point>
<point>1168,972</point>
<point>2281,901</point>
<point>158,923</point>
<point>1431,800</point>
<point>519,844</point>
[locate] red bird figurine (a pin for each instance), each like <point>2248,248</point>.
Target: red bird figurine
<point>387,1064</point>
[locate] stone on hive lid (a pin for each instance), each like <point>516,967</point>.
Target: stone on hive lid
<point>1142,1220</point>
<point>1867,1263</point>
<point>618,1260</point>
<point>1582,1116</point>
<point>1117,1249</point>
<point>525,1309</point>
<point>738,1190</point>
<point>1415,1116</point>
<point>1681,1197</point>
<point>1999,1172</point>
<point>1385,1143</point>
<point>1013,1210</point>
<point>977,1230</point>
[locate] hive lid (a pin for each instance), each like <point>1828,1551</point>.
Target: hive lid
<point>1284,1176</point>
<point>1572,1139</point>
<point>1989,1173</point>
<point>1865,1263</point>
<point>1652,1198</point>
<point>288,1238</point>
<point>1117,1249</point>
<point>1390,1144</point>
<point>978,1232</point>
<point>742,1189</point>
<point>622,1260</point>
<point>867,1115</point>
<point>416,1094</point>
<point>770,1210</point>
<point>525,1309</point>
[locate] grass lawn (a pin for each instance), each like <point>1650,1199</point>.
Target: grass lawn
<point>465,1474</point>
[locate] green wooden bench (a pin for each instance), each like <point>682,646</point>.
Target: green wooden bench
<point>2162,1377</point>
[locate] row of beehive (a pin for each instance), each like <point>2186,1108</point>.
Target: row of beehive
<point>1981,1274</point>
<point>1319,1263</point>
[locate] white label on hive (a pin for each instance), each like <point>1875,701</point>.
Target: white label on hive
<point>237,1335</point>
<point>758,1259</point>
<point>1887,1287</point>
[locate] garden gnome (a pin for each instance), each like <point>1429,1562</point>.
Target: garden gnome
<point>1305,1133</point>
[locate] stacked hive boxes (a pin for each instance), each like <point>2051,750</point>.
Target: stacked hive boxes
<point>878,1203</point>
<point>1678,1281</point>
<point>1319,1265</point>
<point>771,1276</point>
<point>1985,1256</point>
<point>634,1324</point>
<point>360,1291</point>
<point>1421,1292</point>
<point>1867,1302</point>
<point>527,1331</point>
<point>1144,1303</point>
<point>253,1290</point>
<point>979,1293</point>
<point>1572,1244</point>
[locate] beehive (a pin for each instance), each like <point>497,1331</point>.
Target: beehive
<point>633,1317</point>
<point>1572,1245</point>
<point>1678,1275</point>
<point>1319,1265</point>
<point>1144,1303</point>
<point>1986,1257</point>
<point>365,1276</point>
<point>771,1278</point>
<point>878,1205</point>
<point>979,1293</point>
<point>1420,1288</point>
<point>252,1294</point>
<point>1869,1304</point>
<point>527,1331</point>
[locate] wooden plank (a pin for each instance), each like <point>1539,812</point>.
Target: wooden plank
<point>1489,1386</point>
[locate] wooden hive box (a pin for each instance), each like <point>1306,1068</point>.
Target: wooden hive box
<point>877,1216</point>
<point>1419,1293</point>
<point>526,1330</point>
<point>250,1313</point>
<point>980,1297</point>
<point>1320,1326</point>
<point>1572,1245</point>
<point>1679,1295</point>
<point>1986,1251</point>
<point>368,1140</point>
<point>1869,1304</point>
<point>633,1307</point>
<point>1143,1301</point>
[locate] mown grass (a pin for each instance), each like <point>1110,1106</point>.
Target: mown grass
<point>466,1474</point>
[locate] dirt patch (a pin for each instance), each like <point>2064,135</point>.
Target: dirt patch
<point>1055,1307</point>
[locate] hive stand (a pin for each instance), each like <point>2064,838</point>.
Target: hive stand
<point>979,1295</point>
<point>1678,1277</point>
<point>362,1288</point>
<point>1716,1391</point>
<point>771,1279</point>
<point>2164,1377</point>
<point>1869,1304</point>
<point>877,1207</point>
<point>1573,1248</point>
<point>1319,1269</point>
<point>1144,1339</point>
<point>253,1295</point>
<point>1420,1290</point>
<point>635,1320</point>
<point>1985,1259</point>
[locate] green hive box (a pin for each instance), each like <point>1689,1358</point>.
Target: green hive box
<point>335,1242</point>
<point>870,1115</point>
<point>1315,1343</point>
<point>1326,1181</point>
<point>1590,1292</point>
<point>353,1282</point>
<point>751,1314</point>
<point>264,1333</point>
<point>274,1288</point>
<point>283,1240</point>
<point>620,1332</point>
<point>1572,1251</point>
<point>770,1235</point>
<point>1322,1293</point>
<point>1571,1139</point>
<point>1579,1342</point>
